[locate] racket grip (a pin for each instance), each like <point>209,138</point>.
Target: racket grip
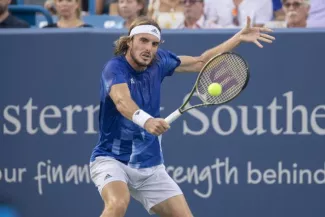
<point>173,116</point>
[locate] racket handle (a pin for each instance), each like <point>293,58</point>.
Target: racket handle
<point>173,116</point>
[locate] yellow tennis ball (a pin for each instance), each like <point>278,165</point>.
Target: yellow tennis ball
<point>215,89</point>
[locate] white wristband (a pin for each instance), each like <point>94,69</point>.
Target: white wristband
<point>140,117</point>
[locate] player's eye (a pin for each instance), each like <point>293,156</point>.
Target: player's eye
<point>144,40</point>
<point>155,44</point>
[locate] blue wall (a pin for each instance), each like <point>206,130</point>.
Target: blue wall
<point>278,169</point>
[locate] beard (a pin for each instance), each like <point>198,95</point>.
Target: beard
<point>138,62</point>
<point>3,9</point>
<point>292,16</point>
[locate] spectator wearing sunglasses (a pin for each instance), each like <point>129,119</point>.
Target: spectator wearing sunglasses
<point>195,17</point>
<point>296,14</point>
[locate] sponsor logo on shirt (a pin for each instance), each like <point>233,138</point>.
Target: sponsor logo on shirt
<point>107,176</point>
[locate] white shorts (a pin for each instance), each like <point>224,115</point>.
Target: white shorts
<point>149,186</point>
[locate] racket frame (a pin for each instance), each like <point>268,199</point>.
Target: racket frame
<point>178,112</point>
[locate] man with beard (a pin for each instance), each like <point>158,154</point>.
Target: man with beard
<point>128,159</point>
<point>296,14</point>
<point>7,20</point>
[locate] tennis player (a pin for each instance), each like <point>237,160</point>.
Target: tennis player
<point>128,159</point>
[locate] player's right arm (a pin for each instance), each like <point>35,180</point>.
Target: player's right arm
<point>120,94</point>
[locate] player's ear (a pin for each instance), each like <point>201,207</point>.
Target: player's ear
<point>129,41</point>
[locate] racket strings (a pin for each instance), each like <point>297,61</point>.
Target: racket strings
<point>230,71</point>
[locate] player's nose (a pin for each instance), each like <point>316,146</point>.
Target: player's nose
<point>148,47</point>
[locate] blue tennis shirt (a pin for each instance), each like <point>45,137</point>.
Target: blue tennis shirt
<point>119,137</point>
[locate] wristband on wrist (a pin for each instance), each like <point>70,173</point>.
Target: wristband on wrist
<point>140,117</point>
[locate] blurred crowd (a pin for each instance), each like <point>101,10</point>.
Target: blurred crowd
<point>179,14</point>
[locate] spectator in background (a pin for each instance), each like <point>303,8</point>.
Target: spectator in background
<point>50,6</point>
<point>7,20</point>
<point>167,13</point>
<point>233,13</point>
<point>111,6</point>
<point>129,10</point>
<point>69,14</point>
<point>194,16</point>
<point>296,14</point>
<point>316,16</point>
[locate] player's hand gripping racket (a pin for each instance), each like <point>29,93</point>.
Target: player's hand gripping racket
<point>229,69</point>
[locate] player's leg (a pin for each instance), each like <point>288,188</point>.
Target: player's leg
<point>159,193</point>
<point>116,197</point>
<point>111,180</point>
<point>173,207</point>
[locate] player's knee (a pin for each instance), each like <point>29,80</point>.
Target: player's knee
<point>117,205</point>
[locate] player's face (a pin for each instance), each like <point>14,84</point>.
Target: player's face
<point>296,11</point>
<point>66,8</point>
<point>143,48</point>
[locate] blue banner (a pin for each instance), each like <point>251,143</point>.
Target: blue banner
<point>262,154</point>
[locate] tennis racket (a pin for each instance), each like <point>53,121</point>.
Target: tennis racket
<point>228,69</point>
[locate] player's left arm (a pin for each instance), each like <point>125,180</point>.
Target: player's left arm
<point>247,34</point>
<point>195,64</point>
